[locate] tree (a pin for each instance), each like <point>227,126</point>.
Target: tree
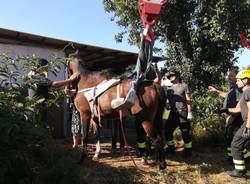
<point>201,36</point>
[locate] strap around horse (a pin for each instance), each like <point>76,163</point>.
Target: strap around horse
<point>118,90</point>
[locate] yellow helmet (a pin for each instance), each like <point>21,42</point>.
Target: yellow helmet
<point>243,74</point>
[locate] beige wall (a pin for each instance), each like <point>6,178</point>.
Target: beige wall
<point>19,50</point>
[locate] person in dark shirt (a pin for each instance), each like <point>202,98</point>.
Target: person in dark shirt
<point>41,85</point>
<point>242,136</point>
<point>180,101</point>
<point>233,121</point>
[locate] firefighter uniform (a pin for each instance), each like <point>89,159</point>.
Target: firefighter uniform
<point>239,141</point>
<point>235,122</point>
<point>242,136</point>
<point>176,94</point>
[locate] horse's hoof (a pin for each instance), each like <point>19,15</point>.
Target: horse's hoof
<point>83,157</point>
<point>162,172</point>
<point>81,161</point>
<point>162,166</point>
<point>113,151</point>
<point>144,161</point>
<point>96,156</point>
<point>122,150</point>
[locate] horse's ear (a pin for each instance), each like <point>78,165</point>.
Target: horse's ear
<point>76,52</point>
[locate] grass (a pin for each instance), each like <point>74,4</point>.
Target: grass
<point>207,166</point>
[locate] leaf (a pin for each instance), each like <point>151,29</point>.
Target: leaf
<point>19,105</point>
<point>39,101</point>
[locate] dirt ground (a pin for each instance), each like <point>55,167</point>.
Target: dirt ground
<point>207,166</point>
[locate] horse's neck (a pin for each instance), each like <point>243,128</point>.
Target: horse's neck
<point>90,80</point>
<point>74,67</point>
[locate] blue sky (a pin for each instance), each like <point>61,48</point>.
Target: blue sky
<point>81,21</point>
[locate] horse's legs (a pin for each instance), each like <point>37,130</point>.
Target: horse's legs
<point>160,153</point>
<point>97,149</point>
<point>117,129</point>
<point>141,140</point>
<point>114,133</point>
<point>156,143</point>
<point>97,130</point>
<point>158,124</point>
<point>85,117</point>
<point>122,142</point>
<point>154,133</point>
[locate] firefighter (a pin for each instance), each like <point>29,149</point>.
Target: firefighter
<point>233,121</point>
<point>180,101</point>
<point>242,136</point>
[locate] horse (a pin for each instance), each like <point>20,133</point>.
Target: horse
<point>147,109</point>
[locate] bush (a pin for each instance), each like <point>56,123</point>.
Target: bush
<point>21,139</point>
<point>24,150</point>
<point>208,125</point>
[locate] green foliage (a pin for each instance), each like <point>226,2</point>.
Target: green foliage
<point>20,142</point>
<point>23,140</point>
<point>208,125</point>
<point>201,37</point>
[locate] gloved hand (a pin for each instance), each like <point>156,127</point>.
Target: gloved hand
<point>246,133</point>
<point>190,116</point>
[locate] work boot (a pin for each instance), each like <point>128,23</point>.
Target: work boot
<point>237,173</point>
<point>170,149</point>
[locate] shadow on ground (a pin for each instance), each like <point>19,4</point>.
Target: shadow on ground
<point>64,168</point>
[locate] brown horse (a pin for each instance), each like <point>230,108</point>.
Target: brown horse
<point>147,109</point>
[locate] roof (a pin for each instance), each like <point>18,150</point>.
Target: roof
<point>95,57</point>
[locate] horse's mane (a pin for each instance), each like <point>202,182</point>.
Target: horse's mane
<point>109,73</point>
<point>88,70</point>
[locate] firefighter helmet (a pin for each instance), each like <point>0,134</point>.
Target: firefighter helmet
<point>243,74</point>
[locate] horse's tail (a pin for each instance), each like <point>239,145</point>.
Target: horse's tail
<point>162,101</point>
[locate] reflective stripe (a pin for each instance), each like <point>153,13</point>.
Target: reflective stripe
<point>239,162</point>
<point>141,145</point>
<point>165,114</point>
<point>240,167</point>
<point>229,151</point>
<point>188,145</point>
<point>171,143</point>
